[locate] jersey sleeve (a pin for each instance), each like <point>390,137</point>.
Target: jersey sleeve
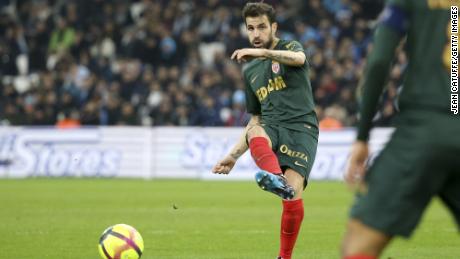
<point>294,46</point>
<point>375,75</point>
<point>402,3</point>
<point>252,103</point>
<point>393,25</point>
<point>395,15</point>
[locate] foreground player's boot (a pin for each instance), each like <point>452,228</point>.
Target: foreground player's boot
<point>274,183</point>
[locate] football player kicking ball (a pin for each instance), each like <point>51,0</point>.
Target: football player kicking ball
<point>282,133</point>
<point>422,158</point>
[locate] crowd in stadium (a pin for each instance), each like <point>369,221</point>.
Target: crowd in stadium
<point>166,62</point>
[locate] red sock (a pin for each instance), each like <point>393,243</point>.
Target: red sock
<point>263,155</point>
<point>360,257</point>
<point>290,225</point>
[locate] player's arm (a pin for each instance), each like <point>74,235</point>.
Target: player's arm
<point>226,164</point>
<point>392,28</point>
<point>286,57</point>
<point>386,39</point>
<point>253,107</point>
<point>242,145</point>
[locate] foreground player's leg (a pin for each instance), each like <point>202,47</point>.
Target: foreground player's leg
<point>363,242</point>
<point>292,216</point>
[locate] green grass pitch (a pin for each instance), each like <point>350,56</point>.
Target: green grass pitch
<point>63,218</point>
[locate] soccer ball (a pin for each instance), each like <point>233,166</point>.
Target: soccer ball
<point>121,241</point>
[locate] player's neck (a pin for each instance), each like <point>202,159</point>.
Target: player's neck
<point>275,41</point>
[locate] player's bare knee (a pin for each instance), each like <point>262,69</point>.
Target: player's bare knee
<point>296,180</point>
<point>254,131</point>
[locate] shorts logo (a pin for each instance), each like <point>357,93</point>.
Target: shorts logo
<point>299,164</point>
<point>275,67</point>
<point>292,153</point>
<point>254,79</point>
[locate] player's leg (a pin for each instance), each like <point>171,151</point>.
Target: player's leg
<point>292,216</point>
<point>261,142</point>
<point>296,153</point>
<point>363,242</point>
<point>297,181</point>
<point>399,186</point>
<point>260,146</point>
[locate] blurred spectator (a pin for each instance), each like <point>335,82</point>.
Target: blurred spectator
<point>333,118</point>
<point>62,38</point>
<point>155,63</point>
<point>68,121</point>
<point>128,115</point>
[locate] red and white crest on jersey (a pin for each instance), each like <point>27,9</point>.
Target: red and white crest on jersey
<point>275,67</point>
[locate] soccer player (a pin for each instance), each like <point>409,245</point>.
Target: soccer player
<point>282,133</point>
<point>422,158</point>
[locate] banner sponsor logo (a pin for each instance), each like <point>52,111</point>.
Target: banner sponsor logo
<point>56,153</point>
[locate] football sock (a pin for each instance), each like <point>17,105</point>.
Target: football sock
<point>290,225</point>
<point>360,257</point>
<point>264,156</point>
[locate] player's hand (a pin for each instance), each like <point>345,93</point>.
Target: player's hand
<point>357,165</point>
<point>224,166</point>
<point>243,55</point>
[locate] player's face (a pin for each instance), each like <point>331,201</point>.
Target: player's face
<point>260,31</point>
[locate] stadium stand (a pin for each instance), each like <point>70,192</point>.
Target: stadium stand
<point>165,62</point>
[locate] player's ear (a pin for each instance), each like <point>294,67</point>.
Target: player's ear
<point>274,28</point>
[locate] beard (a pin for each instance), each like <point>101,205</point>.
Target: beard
<point>265,45</point>
<point>269,43</point>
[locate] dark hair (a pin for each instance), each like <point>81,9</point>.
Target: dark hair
<point>259,9</point>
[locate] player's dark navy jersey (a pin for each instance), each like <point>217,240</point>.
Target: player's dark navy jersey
<point>427,23</point>
<point>421,159</point>
<point>426,86</point>
<point>281,94</point>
